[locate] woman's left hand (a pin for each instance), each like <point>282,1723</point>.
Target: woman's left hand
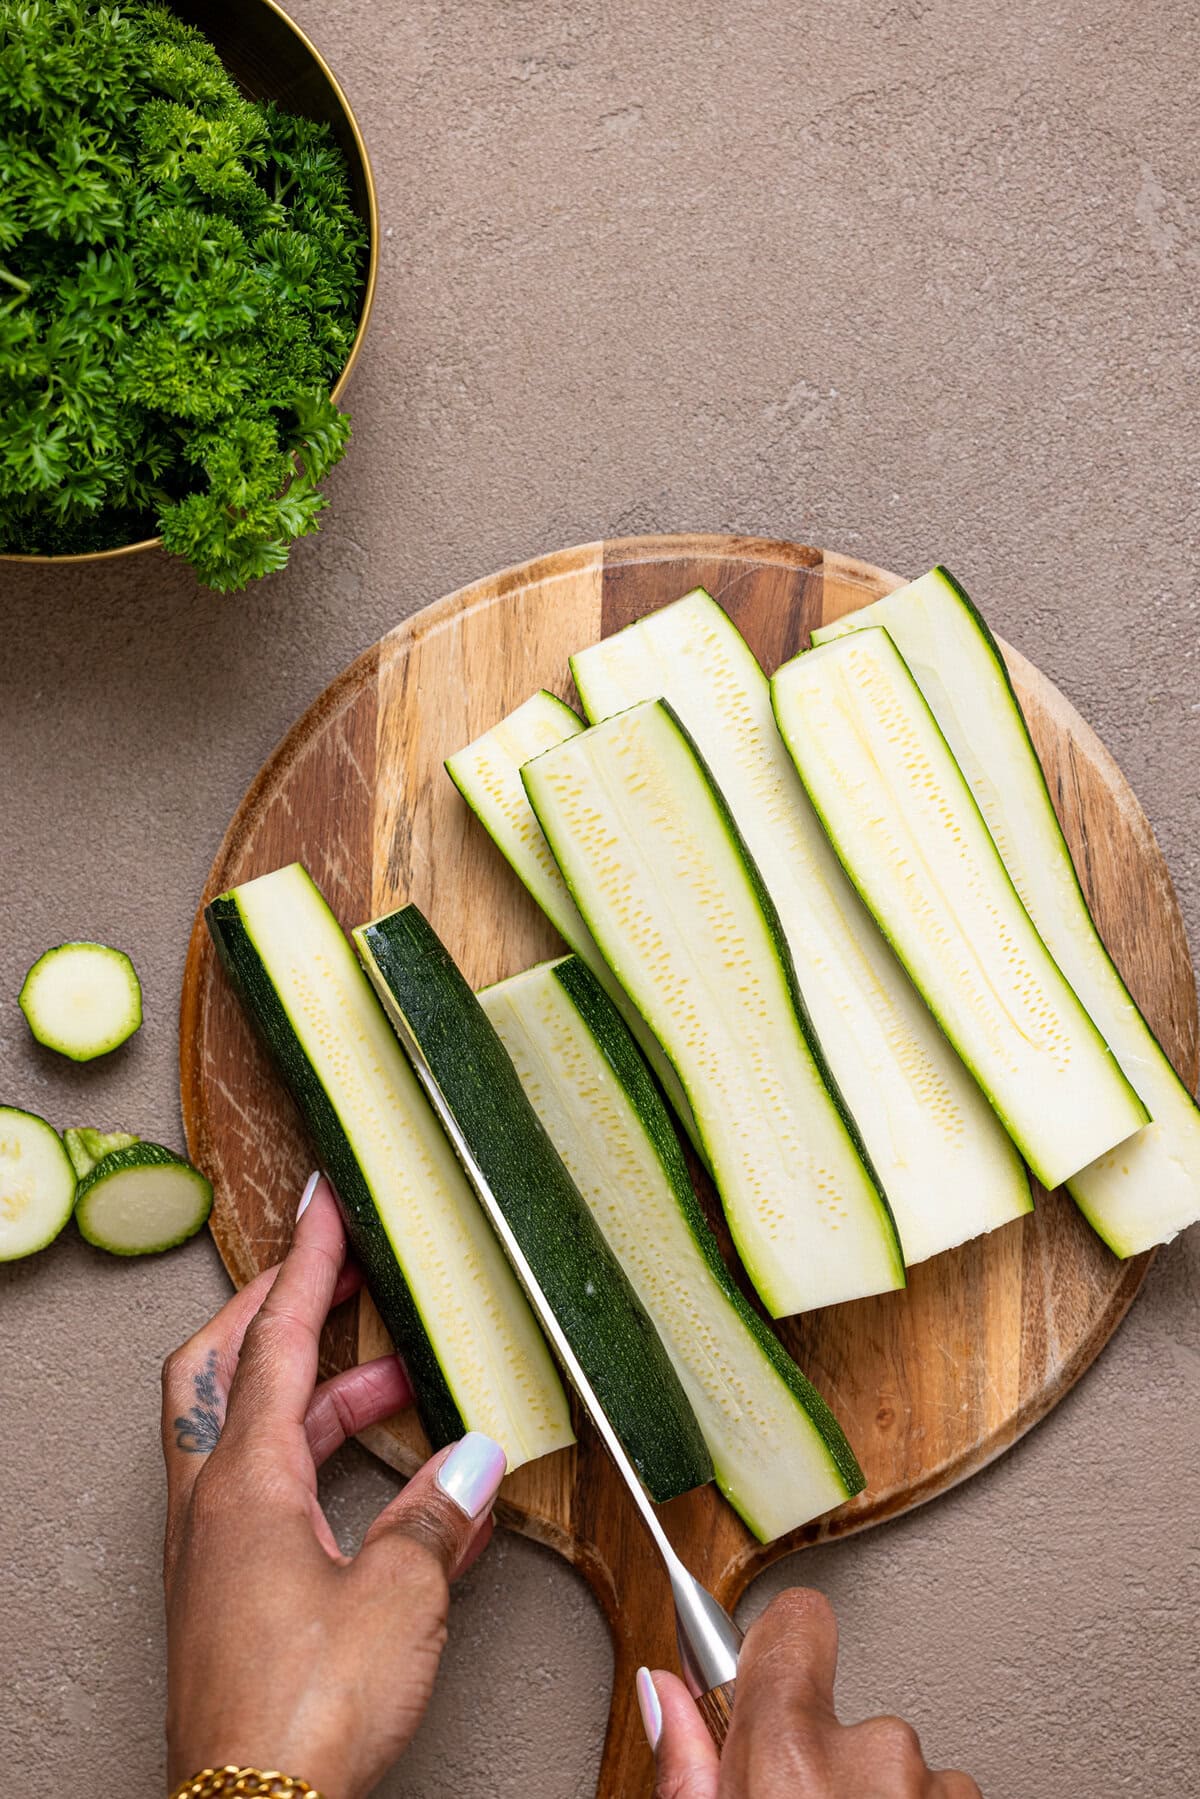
<point>283,1653</point>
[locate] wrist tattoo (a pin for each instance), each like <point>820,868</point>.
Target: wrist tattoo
<point>199,1432</point>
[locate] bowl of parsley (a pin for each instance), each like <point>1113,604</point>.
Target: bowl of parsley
<point>188,244</point>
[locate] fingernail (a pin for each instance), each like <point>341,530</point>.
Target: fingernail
<point>310,1187</point>
<point>650,1707</point>
<point>472,1472</point>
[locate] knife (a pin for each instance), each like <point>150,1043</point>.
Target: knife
<point>709,1640</point>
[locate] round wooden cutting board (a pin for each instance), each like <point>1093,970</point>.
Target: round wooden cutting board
<point>931,1383</point>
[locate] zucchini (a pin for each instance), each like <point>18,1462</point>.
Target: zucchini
<point>488,775</point>
<point>86,1147</point>
<point>140,1199</point>
<point>37,1184</point>
<point>434,1269</point>
<point>912,839</point>
<point>82,999</point>
<point>587,1290</point>
<point>947,1167</point>
<point>657,867</point>
<point>1148,1190</point>
<point>779,1454</point>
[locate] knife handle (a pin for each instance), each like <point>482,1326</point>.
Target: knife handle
<point>716,1708</point>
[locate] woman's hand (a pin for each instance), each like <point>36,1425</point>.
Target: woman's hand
<point>282,1652</point>
<point>785,1739</point>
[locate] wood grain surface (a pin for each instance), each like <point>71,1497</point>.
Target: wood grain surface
<point>932,1383</point>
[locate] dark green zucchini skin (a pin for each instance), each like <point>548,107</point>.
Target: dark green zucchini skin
<point>588,1290</point>
<point>368,1239</point>
<point>615,1044</point>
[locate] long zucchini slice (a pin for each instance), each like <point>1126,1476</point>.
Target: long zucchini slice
<point>488,775</point>
<point>434,1269</point>
<point>655,863</point>
<point>779,1454</point>
<point>912,839</point>
<point>947,1166</point>
<point>590,1295</point>
<point>1147,1190</point>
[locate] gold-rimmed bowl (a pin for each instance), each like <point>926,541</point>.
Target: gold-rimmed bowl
<point>270,58</point>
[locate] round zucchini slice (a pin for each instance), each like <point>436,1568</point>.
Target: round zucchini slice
<point>37,1184</point>
<point>142,1199</point>
<point>82,999</point>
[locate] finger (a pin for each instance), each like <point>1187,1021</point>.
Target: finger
<point>790,1654</point>
<point>949,1783</point>
<point>195,1386</point>
<point>349,1402</point>
<point>277,1368</point>
<point>784,1719</point>
<point>892,1749</point>
<point>349,1282</point>
<point>197,1377</point>
<point>443,1509</point>
<point>685,1758</point>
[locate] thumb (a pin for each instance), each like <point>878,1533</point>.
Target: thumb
<point>685,1760</point>
<point>446,1508</point>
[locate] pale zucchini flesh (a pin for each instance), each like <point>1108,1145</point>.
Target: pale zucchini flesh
<point>1146,1190</point>
<point>656,866</point>
<point>909,834</point>
<point>139,1199</point>
<point>37,1184</point>
<point>82,999</point>
<point>444,1288</point>
<point>488,775</point>
<point>779,1456</point>
<point>947,1166</point>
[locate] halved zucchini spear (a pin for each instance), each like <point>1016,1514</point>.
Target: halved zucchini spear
<point>946,1164</point>
<point>780,1456</point>
<point>588,1291</point>
<point>488,775</point>
<point>434,1268</point>
<point>655,864</point>
<point>911,838</point>
<point>1148,1189</point>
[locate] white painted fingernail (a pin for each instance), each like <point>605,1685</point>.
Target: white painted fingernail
<point>310,1187</point>
<point>649,1706</point>
<point>472,1472</point>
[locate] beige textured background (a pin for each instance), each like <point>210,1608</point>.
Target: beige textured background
<point>908,278</point>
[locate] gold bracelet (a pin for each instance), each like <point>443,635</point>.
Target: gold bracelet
<point>245,1783</point>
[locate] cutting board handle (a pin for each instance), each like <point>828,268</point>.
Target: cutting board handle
<point>627,1766</point>
<point>636,1600</point>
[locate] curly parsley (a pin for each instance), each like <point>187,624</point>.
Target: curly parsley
<point>180,272</point>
